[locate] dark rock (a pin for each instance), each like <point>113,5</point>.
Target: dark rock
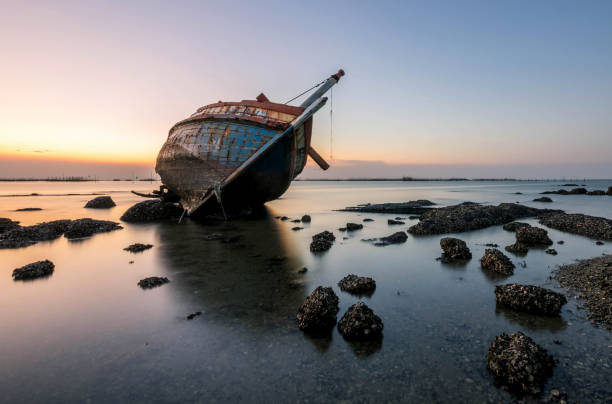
<point>413,217</point>
<point>367,219</point>
<point>193,315</point>
<point>492,245</point>
<point>23,236</point>
<point>591,280</point>
<point>560,242</point>
<point>590,226</point>
<point>556,396</point>
<point>518,193</point>
<point>596,192</point>
<point>411,207</point>
<point>517,248</point>
<point>7,224</point>
<point>470,216</point>
<point>395,238</point>
<point>322,241</point>
<point>319,310</point>
<point>513,226</point>
<point>609,191</point>
<point>151,210</point>
<point>357,284</point>
<point>551,251</point>
<point>454,250</point>
<point>284,218</point>
<point>578,191</point>
<point>598,242</point>
<point>353,226</point>
<point>305,219</point>
<point>533,236</point>
<point>391,221</point>
<point>296,221</point>
<point>569,185</point>
<point>559,192</point>
<point>400,218</point>
<point>543,199</point>
<point>138,247</point>
<point>530,299</point>
<point>296,228</point>
<point>360,323</point>
<point>341,228</point>
<point>519,363</point>
<point>495,260</point>
<point>302,270</point>
<point>87,227</point>
<point>34,270</point>
<point>101,202</point>
<point>152,282</point>
<point>27,210</point>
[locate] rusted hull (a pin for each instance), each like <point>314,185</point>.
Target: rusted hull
<point>200,154</point>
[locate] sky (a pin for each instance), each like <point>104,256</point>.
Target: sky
<point>433,88</point>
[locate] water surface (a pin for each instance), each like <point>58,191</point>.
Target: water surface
<point>89,333</point>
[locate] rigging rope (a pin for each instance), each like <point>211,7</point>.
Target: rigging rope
<point>310,89</point>
<point>331,122</point>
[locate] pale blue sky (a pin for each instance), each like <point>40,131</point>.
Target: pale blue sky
<point>441,83</point>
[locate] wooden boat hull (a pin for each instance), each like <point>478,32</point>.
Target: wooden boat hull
<point>200,154</point>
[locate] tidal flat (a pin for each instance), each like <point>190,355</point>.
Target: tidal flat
<point>224,328</point>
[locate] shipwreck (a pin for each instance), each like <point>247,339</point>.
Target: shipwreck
<point>239,155</point>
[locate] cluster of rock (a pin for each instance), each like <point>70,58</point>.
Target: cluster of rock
<point>592,280</point>
<point>519,363</point>
<point>34,270</point>
<point>318,315</point>
<point>471,216</point>
<point>580,191</point>
<point>322,241</point>
<point>454,249</point>
<point>152,282</point>
<point>352,227</point>
<point>543,199</point>
<point>319,310</point>
<point>360,323</point>
<point>496,261</point>
<point>151,210</point>
<point>394,221</point>
<point>357,284</point>
<point>101,202</point>
<point>410,207</point>
<point>528,237</point>
<point>585,225</point>
<point>7,224</point>
<point>530,299</point>
<point>27,209</point>
<point>22,236</point>
<point>137,247</point>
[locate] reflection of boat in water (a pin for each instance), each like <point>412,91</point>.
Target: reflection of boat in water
<point>240,154</point>
<point>243,271</point>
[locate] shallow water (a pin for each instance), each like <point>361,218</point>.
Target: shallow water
<point>89,332</point>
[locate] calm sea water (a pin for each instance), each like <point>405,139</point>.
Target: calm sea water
<point>89,333</point>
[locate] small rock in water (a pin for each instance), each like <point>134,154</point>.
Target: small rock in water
<point>353,226</point>
<point>284,218</point>
<point>598,242</point>
<point>543,199</point>
<point>551,251</point>
<point>596,192</point>
<point>514,226</point>
<point>495,260</point>
<point>319,310</point>
<point>296,228</point>
<point>519,363</point>
<point>357,284</point>
<point>560,242</point>
<point>391,221</point>
<point>26,210</point>
<point>454,250</point>
<point>306,219</point>
<point>367,219</point>
<point>533,236</point>
<point>81,228</point>
<point>360,323</point>
<point>395,238</point>
<point>34,270</point>
<point>138,247</point>
<point>151,210</point>
<point>302,270</point>
<point>517,248</point>
<point>101,202</point>
<point>131,262</point>
<point>194,315</point>
<point>152,282</point>
<point>296,221</point>
<point>322,241</point>
<point>530,299</point>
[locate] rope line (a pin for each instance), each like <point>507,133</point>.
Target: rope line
<point>310,89</point>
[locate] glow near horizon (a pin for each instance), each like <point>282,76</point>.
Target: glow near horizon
<point>427,83</point>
